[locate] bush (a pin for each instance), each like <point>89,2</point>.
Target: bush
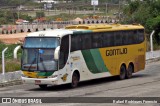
<point>11,64</point>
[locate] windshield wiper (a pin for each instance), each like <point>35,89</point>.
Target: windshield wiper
<point>33,60</point>
<point>31,64</point>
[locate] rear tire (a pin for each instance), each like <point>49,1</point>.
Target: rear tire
<point>122,72</point>
<point>129,71</point>
<point>75,80</point>
<point>43,86</point>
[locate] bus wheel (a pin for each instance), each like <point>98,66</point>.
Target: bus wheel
<point>129,71</point>
<point>43,86</point>
<point>75,80</point>
<point>122,72</point>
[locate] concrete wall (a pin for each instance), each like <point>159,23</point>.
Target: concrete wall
<point>9,29</point>
<point>10,76</point>
<point>154,54</point>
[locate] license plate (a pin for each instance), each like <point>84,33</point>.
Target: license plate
<point>37,82</point>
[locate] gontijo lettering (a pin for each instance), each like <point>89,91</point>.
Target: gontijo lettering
<point>113,52</point>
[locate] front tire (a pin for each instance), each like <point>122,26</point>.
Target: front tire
<point>122,72</point>
<point>75,80</point>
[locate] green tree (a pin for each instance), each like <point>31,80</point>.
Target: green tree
<point>40,14</point>
<point>2,20</point>
<point>145,12</point>
<point>142,14</point>
<point>154,24</point>
<point>26,17</point>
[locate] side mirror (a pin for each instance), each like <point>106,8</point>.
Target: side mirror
<point>56,53</point>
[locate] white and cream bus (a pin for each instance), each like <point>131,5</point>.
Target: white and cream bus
<point>82,52</point>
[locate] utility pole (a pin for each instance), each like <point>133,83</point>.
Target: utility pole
<point>19,8</point>
<point>18,12</point>
<point>13,15</point>
<point>106,8</point>
<point>119,10</point>
<point>94,8</point>
<point>94,3</point>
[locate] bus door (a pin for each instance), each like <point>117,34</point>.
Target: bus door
<point>64,65</point>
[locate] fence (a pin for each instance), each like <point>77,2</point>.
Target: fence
<point>9,62</point>
<point>10,29</point>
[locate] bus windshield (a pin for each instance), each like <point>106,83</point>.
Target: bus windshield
<point>38,54</point>
<point>41,42</point>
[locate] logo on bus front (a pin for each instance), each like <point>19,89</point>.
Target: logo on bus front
<point>64,78</point>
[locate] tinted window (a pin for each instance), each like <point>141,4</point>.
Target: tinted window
<point>106,39</point>
<point>140,34</point>
<point>118,38</point>
<point>86,41</point>
<point>96,40</point>
<point>76,42</point>
<point>125,37</point>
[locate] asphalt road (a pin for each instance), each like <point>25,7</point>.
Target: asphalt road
<point>145,83</point>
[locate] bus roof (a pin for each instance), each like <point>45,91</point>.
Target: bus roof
<point>50,33</point>
<point>55,33</point>
<point>105,27</point>
<point>84,28</point>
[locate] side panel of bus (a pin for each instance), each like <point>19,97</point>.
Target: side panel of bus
<point>103,62</point>
<point>88,70</point>
<point>125,54</point>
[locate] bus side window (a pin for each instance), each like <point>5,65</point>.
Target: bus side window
<point>118,38</point>
<point>79,42</point>
<point>124,37</point>
<point>73,43</point>
<point>86,41</point>
<point>64,51</point>
<point>130,37</point>
<point>108,39</point>
<point>140,34</point>
<point>76,42</point>
<point>135,37</point>
<point>96,41</point>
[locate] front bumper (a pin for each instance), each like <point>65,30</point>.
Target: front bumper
<point>41,81</point>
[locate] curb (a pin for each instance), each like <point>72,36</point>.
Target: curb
<point>152,60</point>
